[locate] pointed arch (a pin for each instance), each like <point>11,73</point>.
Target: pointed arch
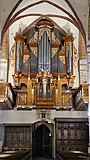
<point>76,21</point>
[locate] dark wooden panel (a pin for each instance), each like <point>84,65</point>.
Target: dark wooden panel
<point>71,135</point>
<point>18,137</point>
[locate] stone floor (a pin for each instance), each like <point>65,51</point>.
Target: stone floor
<point>42,158</point>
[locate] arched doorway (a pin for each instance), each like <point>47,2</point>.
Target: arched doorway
<point>42,142</point>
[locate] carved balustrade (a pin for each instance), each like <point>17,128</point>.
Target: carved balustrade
<point>49,100</point>
<point>66,98</point>
<point>21,97</point>
<point>81,97</point>
<point>3,90</point>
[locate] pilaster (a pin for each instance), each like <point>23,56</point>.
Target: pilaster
<point>82,61</point>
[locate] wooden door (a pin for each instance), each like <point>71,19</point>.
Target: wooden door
<point>43,142</point>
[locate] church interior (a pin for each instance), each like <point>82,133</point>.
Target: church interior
<point>45,80</point>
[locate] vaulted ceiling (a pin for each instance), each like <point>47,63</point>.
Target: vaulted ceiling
<point>26,13</point>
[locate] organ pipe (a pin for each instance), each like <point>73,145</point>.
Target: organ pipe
<point>44,53</point>
<point>19,58</point>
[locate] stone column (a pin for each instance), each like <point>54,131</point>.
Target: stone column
<point>0,32</point>
<point>88,62</point>
<point>82,61</point>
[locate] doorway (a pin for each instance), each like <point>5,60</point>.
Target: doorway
<point>43,142</point>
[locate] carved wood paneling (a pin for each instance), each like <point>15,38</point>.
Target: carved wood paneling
<point>71,135</point>
<point>18,137</point>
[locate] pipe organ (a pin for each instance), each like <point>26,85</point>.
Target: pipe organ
<point>44,68</point>
<point>19,52</point>
<point>44,53</point>
<point>69,55</point>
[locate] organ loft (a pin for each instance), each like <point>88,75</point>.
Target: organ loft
<point>45,80</point>
<point>44,106</point>
<point>43,75</point>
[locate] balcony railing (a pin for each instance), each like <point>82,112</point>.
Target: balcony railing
<point>66,99</point>
<point>43,102</point>
<point>81,97</point>
<point>3,90</point>
<point>3,96</point>
<point>18,97</point>
<point>21,97</point>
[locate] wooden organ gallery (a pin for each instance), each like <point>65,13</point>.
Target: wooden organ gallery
<point>43,91</point>
<point>44,68</point>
